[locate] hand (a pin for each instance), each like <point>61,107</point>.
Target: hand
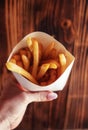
<point>13,102</point>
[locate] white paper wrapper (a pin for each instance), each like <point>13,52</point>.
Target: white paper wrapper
<point>45,39</point>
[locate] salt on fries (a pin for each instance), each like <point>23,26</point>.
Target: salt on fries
<point>39,65</point>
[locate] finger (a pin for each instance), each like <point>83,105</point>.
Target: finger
<point>40,96</point>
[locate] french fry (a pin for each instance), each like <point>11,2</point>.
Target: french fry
<point>62,59</point>
<point>53,54</point>
<point>53,66</point>
<point>53,76</point>
<point>22,51</point>
<point>49,49</point>
<point>45,67</point>
<point>19,63</point>
<point>40,65</point>
<point>29,55</point>
<point>25,61</point>
<point>15,68</point>
<point>59,71</point>
<point>43,70</point>
<point>35,57</point>
<point>29,43</point>
<point>13,60</point>
<point>17,57</point>
<point>40,51</point>
<point>52,62</point>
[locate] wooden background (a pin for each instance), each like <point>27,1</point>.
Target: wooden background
<point>67,21</point>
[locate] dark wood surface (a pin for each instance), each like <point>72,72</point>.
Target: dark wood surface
<point>67,21</point>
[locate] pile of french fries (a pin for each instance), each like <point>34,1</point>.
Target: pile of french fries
<point>40,65</point>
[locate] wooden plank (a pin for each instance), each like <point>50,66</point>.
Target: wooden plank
<point>67,21</point>
<point>76,116</point>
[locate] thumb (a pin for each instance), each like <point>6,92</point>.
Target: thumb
<point>40,96</point>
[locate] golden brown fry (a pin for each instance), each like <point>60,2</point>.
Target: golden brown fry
<point>59,71</point>
<point>15,68</point>
<point>22,51</point>
<point>53,66</point>
<point>40,51</point>
<point>62,59</point>
<point>51,61</point>
<point>35,57</point>
<point>53,54</point>
<point>29,43</point>
<point>19,63</point>
<point>29,55</point>
<point>43,70</point>
<point>36,63</point>
<point>17,57</point>
<point>25,61</point>
<point>13,60</point>
<point>53,76</point>
<point>49,49</point>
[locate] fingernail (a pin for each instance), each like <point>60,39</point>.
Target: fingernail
<point>52,96</point>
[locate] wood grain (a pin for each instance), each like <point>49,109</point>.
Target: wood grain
<point>67,21</point>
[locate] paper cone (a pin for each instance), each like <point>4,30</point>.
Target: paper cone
<point>45,39</point>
